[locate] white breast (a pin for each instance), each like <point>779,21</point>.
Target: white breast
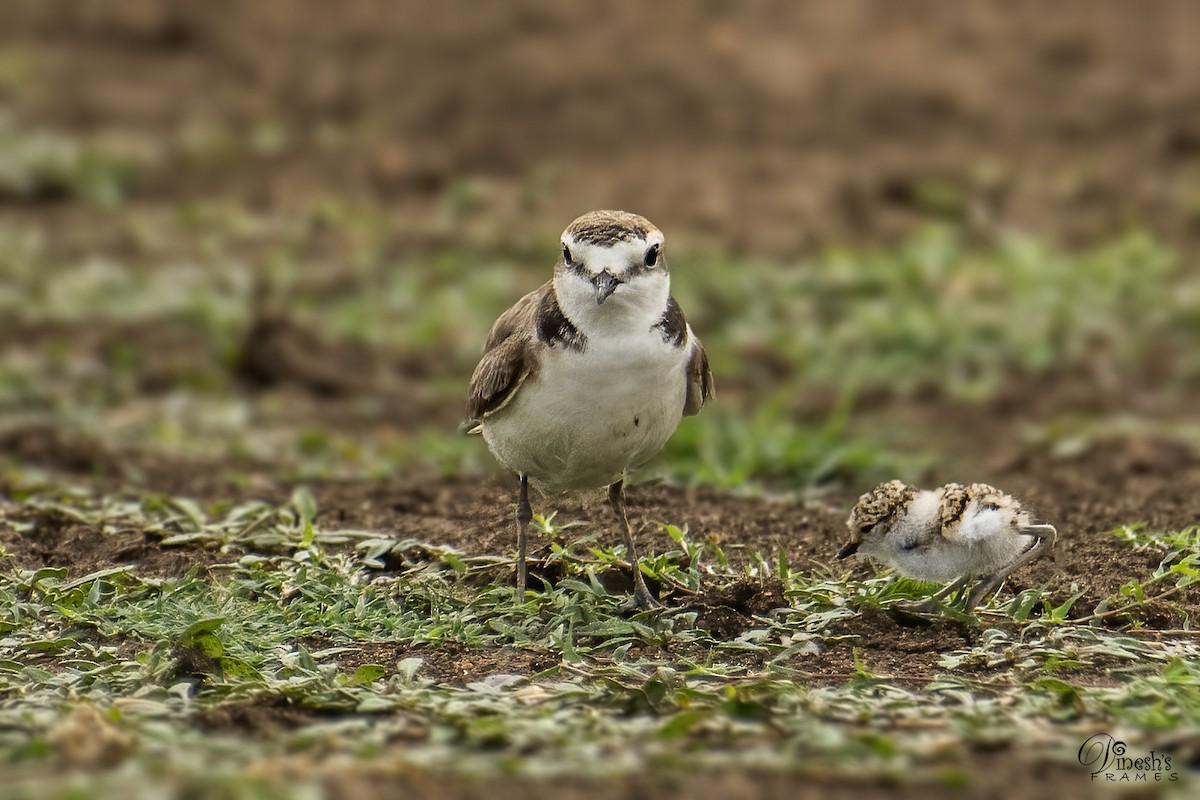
<point>986,540</point>
<point>588,417</point>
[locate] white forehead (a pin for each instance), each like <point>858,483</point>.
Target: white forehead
<point>616,256</point>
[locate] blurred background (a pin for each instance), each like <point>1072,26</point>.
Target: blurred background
<point>278,232</point>
<point>772,126</point>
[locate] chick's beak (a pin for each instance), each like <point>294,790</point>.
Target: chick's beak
<point>606,283</point>
<point>848,549</point>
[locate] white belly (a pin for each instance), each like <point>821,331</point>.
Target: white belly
<point>586,418</point>
<point>947,560</point>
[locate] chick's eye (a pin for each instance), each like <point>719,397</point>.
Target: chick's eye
<point>865,529</point>
<point>652,256</point>
<point>566,254</point>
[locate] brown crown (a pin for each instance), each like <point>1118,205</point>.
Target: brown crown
<point>880,504</point>
<point>606,228</point>
<point>956,497</point>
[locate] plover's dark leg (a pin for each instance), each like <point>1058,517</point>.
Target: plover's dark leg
<point>524,517</point>
<point>1043,536</point>
<point>949,590</point>
<point>616,499</point>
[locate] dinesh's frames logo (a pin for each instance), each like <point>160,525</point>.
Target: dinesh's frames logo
<point>1106,757</point>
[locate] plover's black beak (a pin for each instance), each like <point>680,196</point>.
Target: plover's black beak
<point>606,283</point>
<point>849,549</point>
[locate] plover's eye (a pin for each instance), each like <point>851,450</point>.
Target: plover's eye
<point>652,255</point>
<point>566,254</point>
<point>865,529</point>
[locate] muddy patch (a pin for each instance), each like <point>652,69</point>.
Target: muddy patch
<point>986,775</point>
<point>52,540</point>
<point>267,717</point>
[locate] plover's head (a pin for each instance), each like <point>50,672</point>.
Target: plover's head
<point>875,514</point>
<point>613,256</point>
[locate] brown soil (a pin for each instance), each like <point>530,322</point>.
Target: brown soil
<point>57,541</point>
<point>771,126</point>
<point>1119,480</point>
<point>994,776</point>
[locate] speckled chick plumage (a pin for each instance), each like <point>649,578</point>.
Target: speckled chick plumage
<point>957,498</point>
<point>956,532</point>
<point>878,506</point>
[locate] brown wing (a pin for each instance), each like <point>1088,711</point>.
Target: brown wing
<point>699,380</point>
<point>507,360</point>
<point>517,318</point>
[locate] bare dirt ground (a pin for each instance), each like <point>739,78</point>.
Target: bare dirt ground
<point>1118,480</point>
<point>766,128</point>
<point>1122,480</point>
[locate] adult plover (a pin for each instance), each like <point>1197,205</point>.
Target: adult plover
<point>587,377</point>
<point>956,533</point>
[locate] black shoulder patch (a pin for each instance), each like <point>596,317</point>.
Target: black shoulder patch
<point>554,328</point>
<point>672,325</point>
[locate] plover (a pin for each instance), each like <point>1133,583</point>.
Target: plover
<point>956,533</point>
<point>585,378</point>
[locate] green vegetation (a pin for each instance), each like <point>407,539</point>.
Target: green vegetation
<point>39,165</point>
<point>150,663</point>
<point>935,312</point>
